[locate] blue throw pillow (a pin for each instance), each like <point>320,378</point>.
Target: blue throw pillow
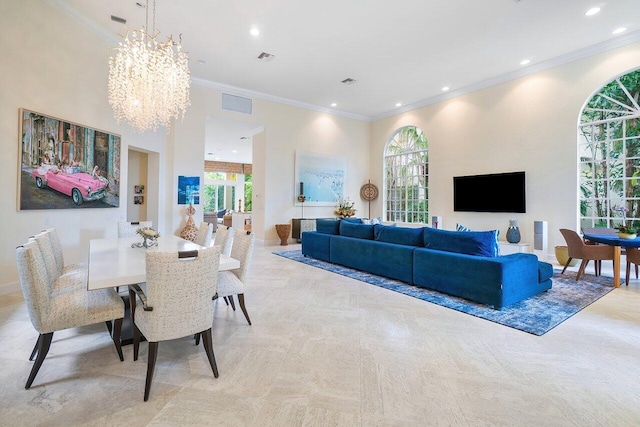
<point>479,243</point>
<point>221,213</point>
<point>360,231</point>
<point>460,227</point>
<point>328,226</point>
<point>400,235</point>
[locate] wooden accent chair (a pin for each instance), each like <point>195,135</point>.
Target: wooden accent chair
<point>633,257</point>
<point>177,302</point>
<point>580,250</point>
<point>54,306</point>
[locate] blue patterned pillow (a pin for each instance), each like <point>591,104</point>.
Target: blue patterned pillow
<point>460,227</point>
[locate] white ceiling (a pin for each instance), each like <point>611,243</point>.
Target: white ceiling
<point>401,51</point>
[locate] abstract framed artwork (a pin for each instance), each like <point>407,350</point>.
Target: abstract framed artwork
<point>188,190</point>
<point>65,165</point>
<point>320,178</point>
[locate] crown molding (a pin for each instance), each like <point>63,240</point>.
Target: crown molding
<point>234,90</point>
<point>586,52</point>
<point>614,43</point>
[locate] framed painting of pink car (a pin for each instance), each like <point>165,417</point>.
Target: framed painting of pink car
<point>65,165</point>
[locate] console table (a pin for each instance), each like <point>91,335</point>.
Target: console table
<point>507,248</point>
<point>299,225</point>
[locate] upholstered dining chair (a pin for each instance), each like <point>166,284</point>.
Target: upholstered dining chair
<point>129,229</point>
<point>224,238</point>
<point>177,302</point>
<point>580,250</point>
<point>233,282</point>
<point>50,311</point>
<point>63,279</point>
<point>205,234</point>
<point>633,257</point>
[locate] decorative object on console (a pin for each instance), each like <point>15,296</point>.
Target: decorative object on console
<point>148,81</point>
<point>345,209</point>
<point>283,231</point>
<point>190,231</point>
<point>149,236</point>
<point>302,198</point>
<point>513,232</point>
<point>436,222</point>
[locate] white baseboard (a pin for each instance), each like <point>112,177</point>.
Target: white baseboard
<point>8,288</point>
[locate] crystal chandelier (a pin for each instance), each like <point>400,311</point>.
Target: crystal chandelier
<point>148,81</point>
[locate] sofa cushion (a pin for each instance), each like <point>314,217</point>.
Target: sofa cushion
<point>221,213</point>
<point>545,271</point>
<point>479,243</point>
<point>360,231</point>
<point>400,235</point>
<point>328,226</point>
<point>352,220</point>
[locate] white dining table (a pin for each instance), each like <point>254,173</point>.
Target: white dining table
<point>113,262</point>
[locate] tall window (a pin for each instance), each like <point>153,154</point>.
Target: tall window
<point>609,147</point>
<point>406,169</point>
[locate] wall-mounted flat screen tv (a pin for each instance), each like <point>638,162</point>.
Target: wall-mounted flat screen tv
<point>498,192</point>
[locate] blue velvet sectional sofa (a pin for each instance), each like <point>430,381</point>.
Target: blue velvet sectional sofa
<point>464,264</point>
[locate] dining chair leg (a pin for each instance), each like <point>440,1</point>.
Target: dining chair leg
<point>151,366</point>
<point>226,301</point>
<point>583,265</point>
<point>231,302</point>
<point>117,330</point>
<point>35,350</point>
<point>244,309</point>
<point>197,337</point>
<point>626,277</point>
<point>136,342</point>
<point>207,342</point>
<point>44,342</point>
<point>109,326</point>
<point>566,265</point>
<point>636,270</point>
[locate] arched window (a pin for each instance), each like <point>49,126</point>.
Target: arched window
<point>406,171</point>
<point>609,147</point>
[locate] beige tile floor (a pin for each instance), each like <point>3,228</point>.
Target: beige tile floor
<point>328,350</point>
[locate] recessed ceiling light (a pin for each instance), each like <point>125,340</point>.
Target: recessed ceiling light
<point>525,61</point>
<point>234,151</point>
<point>202,61</point>
<point>334,104</point>
<point>209,154</point>
<point>399,104</point>
<point>255,32</point>
<point>619,30</point>
<point>592,11</point>
<point>446,88</point>
<point>217,158</point>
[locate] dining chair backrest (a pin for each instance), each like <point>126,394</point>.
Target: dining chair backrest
<point>224,238</point>
<point>34,281</point>
<point>205,234</point>
<point>575,243</point>
<point>43,240</point>
<point>56,246</point>
<point>180,292</point>
<point>242,250</point>
<point>129,229</point>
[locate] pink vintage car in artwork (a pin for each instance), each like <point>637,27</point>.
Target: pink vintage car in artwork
<point>81,186</point>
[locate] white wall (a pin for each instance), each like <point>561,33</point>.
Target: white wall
<point>526,124</point>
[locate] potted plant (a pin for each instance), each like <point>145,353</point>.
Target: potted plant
<point>624,231</point>
<point>345,209</point>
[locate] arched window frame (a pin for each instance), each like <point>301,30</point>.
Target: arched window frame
<point>609,155</point>
<point>406,172</point>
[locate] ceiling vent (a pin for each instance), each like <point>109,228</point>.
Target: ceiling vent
<point>237,104</point>
<point>348,81</point>
<point>118,19</point>
<point>264,56</point>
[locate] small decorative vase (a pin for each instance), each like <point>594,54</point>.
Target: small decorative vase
<point>513,232</point>
<point>562,255</point>
<point>627,235</point>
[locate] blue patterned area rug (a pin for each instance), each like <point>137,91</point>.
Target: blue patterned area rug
<point>536,315</point>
